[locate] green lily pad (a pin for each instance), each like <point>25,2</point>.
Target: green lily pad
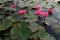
<point>4,24</point>
<point>43,35</point>
<point>14,18</point>
<point>20,31</point>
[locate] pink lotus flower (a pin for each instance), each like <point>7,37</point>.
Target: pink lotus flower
<point>44,14</point>
<point>37,7</point>
<point>37,12</point>
<point>50,9</point>
<point>13,6</point>
<point>22,12</point>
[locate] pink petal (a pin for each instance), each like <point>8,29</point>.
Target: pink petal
<point>44,14</point>
<point>37,12</point>
<point>22,12</point>
<point>50,10</point>
<point>12,5</point>
<point>37,7</point>
<point>19,12</point>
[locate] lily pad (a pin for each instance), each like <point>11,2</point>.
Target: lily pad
<point>4,24</point>
<point>20,31</point>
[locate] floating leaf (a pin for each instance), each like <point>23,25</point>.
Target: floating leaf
<point>5,23</point>
<point>14,18</point>
<point>21,31</point>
